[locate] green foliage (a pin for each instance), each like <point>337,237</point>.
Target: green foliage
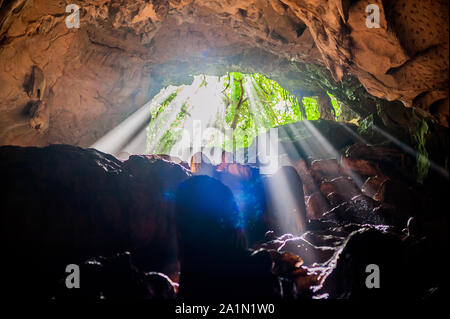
<point>311,108</point>
<point>252,104</point>
<point>158,110</point>
<point>255,103</point>
<point>365,127</point>
<point>169,99</point>
<point>423,163</point>
<point>161,122</point>
<point>336,106</point>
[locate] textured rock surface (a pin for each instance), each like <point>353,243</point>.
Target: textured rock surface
<point>63,204</point>
<point>125,51</point>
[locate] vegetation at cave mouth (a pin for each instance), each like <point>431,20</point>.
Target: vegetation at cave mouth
<point>244,104</point>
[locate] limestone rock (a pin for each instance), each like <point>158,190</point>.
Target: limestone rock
<point>126,51</point>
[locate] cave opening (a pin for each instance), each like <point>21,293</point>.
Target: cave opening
<point>227,112</point>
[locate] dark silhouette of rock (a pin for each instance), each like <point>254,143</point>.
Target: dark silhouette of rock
<point>360,210</point>
<point>363,248</point>
<point>64,204</point>
<point>309,253</point>
<point>115,278</point>
<point>213,257</point>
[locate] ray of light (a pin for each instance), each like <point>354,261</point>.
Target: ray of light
<point>114,141</point>
<point>412,152</point>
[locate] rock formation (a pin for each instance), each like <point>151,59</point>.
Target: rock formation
<point>63,204</point>
<point>369,193</point>
<point>126,51</point>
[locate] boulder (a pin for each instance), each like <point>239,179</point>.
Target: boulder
<point>316,205</point>
<point>367,246</point>
<point>360,166</point>
<point>344,186</point>
<point>301,167</point>
<point>335,199</point>
<point>400,195</point>
<point>373,185</point>
<point>323,238</point>
<point>360,210</point>
<point>325,169</point>
<point>309,184</point>
<point>375,153</point>
<point>201,164</point>
<point>309,253</point>
<point>367,160</point>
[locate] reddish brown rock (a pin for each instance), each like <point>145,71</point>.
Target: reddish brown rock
<point>201,164</point>
<point>39,116</point>
<point>375,153</point>
<point>236,169</point>
<point>361,166</point>
<point>309,184</point>
<point>285,264</point>
<point>402,197</point>
<point>145,44</point>
<point>307,252</point>
<point>335,199</point>
<point>325,169</point>
<point>301,167</point>
<point>373,185</point>
<point>316,205</point>
<point>343,186</point>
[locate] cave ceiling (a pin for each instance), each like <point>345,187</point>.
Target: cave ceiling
<point>125,51</point>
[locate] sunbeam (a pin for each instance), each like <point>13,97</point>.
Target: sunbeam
<point>412,152</point>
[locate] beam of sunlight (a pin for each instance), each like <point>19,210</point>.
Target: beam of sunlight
<point>409,150</point>
<point>331,150</point>
<point>162,123</point>
<point>286,201</point>
<point>206,118</point>
<point>116,139</point>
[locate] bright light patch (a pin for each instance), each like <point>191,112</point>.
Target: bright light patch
<point>225,112</point>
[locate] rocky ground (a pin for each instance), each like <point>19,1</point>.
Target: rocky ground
<point>63,204</point>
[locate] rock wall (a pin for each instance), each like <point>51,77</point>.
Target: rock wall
<point>126,51</point>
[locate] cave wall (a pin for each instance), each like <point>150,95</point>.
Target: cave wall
<point>126,51</point>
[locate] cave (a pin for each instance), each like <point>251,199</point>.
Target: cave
<point>325,175</point>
